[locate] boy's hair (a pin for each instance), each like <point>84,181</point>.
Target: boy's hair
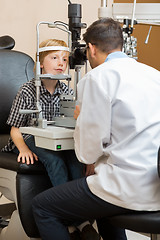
<point>105,33</point>
<point>49,42</point>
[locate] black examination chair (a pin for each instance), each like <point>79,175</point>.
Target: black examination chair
<point>18,182</point>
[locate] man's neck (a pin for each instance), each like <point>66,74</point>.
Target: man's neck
<point>101,56</point>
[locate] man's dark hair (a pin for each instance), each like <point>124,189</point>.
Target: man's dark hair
<point>105,33</point>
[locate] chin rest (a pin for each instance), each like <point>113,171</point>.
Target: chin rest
<point>18,182</point>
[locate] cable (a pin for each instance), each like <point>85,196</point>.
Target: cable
<point>69,2</point>
<point>61,22</point>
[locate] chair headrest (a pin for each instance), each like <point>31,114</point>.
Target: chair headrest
<point>7,42</point>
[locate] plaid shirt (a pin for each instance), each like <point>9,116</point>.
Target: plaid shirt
<point>26,99</point>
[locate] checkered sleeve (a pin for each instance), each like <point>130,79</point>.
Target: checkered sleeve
<point>65,88</point>
<point>23,100</point>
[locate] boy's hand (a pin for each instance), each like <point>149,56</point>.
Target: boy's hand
<point>26,156</point>
<point>76,112</point>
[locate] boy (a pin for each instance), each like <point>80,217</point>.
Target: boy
<point>61,166</point>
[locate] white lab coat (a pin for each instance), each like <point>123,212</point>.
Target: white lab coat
<point>118,129</point>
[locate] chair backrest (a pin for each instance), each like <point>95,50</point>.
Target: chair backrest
<point>16,68</point>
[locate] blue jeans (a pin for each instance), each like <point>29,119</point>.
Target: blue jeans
<point>61,166</point>
<point>61,206</point>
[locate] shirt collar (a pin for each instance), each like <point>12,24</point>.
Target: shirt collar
<point>58,89</point>
<point>118,54</point>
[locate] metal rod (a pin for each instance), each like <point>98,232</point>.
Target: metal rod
<point>133,13</point>
<point>77,78</point>
<point>109,3</point>
<point>147,38</point>
<point>103,3</point>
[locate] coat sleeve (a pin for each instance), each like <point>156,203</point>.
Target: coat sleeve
<point>92,132</point>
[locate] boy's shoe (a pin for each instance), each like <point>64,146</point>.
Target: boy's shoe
<point>89,233</point>
<point>75,235</point>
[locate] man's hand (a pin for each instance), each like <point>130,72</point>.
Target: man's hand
<point>89,170</point>
<point>76,112</point>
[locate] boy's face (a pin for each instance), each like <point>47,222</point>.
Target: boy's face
<point>55,63</point>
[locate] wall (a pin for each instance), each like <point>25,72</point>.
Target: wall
<point>18,19</point>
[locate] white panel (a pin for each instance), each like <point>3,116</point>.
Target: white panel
<point>54,144</point>
<point>53,138</point>
<point>144,11</point>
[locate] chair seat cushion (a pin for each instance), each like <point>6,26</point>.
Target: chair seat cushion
<point>146,222</point>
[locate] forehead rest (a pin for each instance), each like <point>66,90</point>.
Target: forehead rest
<point>54,48</point>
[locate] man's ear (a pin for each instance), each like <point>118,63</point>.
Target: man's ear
<point>92,49</point>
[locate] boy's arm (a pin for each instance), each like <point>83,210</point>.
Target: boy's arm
<point>25,154</point>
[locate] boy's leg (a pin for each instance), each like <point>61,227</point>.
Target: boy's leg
<point>52,161</point>
<point>61,206</point>
<point>75,168</point>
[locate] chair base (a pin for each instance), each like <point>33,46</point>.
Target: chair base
<point>14,230</point>
<point>154,237</point>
